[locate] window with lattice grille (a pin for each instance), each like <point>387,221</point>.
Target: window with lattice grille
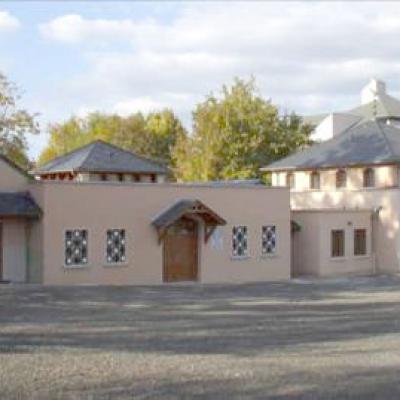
<point>239,241</point>
<point>76,247</point>
<point>116,246</point>
<point>268,239</point>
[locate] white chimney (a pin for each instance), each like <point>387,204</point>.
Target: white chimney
<point>372,91</point>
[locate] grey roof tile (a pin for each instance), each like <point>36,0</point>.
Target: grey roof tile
<point>371,142</point>
<point>18,205</point>
<point>102,157</point>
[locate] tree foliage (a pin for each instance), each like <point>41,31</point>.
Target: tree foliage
<point>153,135</point>
<point>235,134</point>
<point>15,124</point>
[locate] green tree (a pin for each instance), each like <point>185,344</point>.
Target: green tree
<point>152,136</point>
<point>235,134</point>
<point>15,124</point>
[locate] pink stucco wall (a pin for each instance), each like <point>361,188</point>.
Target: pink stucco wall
<point>98,207</point>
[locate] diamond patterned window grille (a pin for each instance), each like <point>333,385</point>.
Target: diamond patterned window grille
<point>76,247</point>
<point>268,239</point>
<point>239,241</point>
<point>116,246</point>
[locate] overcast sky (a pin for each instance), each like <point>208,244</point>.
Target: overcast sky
<point>71,57</point>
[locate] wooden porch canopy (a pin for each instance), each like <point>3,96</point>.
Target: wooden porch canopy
<point>190,209</point>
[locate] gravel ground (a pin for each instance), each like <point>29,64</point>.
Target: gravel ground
<point>332,339</point>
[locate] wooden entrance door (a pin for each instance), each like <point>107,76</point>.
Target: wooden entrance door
<point>180,252</point>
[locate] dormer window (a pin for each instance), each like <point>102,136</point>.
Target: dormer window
<point>341,179</point>
<point>369,178</point>
<point>290,183</point>
<point>315,180</point>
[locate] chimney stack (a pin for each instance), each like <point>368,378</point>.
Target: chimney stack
<point>372,91</point>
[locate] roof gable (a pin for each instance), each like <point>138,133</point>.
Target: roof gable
<point>100,156</point>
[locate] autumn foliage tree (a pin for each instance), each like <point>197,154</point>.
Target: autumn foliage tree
<point>153,135</point>
<point>235,134</point>
<point>15,124</point>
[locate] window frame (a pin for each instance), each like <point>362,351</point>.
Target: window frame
<point>341,179</point>
<point>365,244</point>
<point>245,255</point>
<point>343,252</point>
<point>290,180</point>
<point>368,178</point>
<point>315,175</point>
<point>115,263</point>
<point>274,252</point>
<point>80,265</point>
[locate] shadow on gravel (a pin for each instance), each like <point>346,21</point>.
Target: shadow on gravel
<point>195,319</point>
<point>379,383</point>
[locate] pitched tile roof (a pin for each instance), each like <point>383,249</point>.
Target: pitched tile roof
<point>100,156</point>
<point>18,205</point>
<point>371,142</point>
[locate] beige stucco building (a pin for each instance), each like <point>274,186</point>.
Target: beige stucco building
<point>353,173</point>
<point>62,232</point>
<point>102,215</point>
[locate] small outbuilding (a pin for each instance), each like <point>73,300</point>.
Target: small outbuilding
<point>333,242</point>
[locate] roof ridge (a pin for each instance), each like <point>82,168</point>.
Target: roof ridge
<point>92,145</point>
<point>101,141</point>
<point>59,159</point>
<point>387,141</point>
<point>132,153</point>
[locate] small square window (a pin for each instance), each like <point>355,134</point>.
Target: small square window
<point>239,241</point>
<point>268,239</point>
<point>115,246</point>
<point>76,247</point>
<point>360,242</point>
<point>337,243</point>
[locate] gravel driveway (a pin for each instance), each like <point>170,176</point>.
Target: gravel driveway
<point>333,339</point>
